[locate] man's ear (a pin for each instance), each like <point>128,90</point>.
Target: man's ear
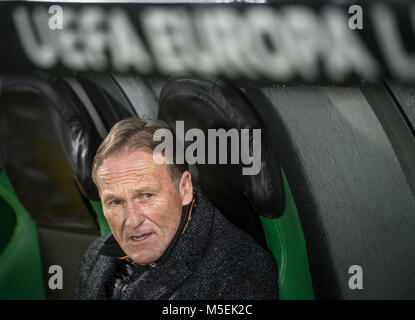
<point>186,188</point>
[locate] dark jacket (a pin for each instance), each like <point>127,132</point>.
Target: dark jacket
<point>212,259</point>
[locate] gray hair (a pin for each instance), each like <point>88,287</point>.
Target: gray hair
<point>129,135</point>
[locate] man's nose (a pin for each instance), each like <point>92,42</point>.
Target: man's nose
<point>134,216</point>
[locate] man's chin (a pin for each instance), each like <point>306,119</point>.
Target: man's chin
<point>143,259</point>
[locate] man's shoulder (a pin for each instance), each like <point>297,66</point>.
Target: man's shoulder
<point>97,244</point>
<point>86,266</point>
<point>93,252</point>
<point>224,236</point>
<point>234,240</point>
<point>231,245</point>
<point>244,269</point>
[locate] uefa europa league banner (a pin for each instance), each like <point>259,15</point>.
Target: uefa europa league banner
<point>286,41</point>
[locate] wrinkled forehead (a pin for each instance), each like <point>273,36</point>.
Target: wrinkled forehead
<point>134,167</point>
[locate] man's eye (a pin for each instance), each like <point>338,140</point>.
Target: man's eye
<point>116,202</point>
<point>148,195</point>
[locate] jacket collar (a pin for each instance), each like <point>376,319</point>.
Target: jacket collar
<point>111,248</point>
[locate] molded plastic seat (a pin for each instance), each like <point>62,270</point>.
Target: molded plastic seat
<point>345,153</point>
<point>262,204</point>
<point>51,130</point>
<point>212,105</point>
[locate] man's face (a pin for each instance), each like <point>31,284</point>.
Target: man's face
<point>142,205</point>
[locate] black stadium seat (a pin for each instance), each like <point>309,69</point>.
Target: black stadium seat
<point>50,140</point>
<point>51,128</point>
<point>205,104</point>
<point>50,143</point>
<point>259,204</point>
<point>344,151</point>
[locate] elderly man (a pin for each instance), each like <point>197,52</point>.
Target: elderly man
<point>167,240</point>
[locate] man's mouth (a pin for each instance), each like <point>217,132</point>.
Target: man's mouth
<point>141,237</point>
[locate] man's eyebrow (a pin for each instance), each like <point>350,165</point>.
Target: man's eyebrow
<point>146,187</point>
<point>108,196</point>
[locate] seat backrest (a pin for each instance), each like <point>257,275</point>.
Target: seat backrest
<point>207,104</point>
<point>50,142</point>
<point>51,129</point>
<point>140,94</point>
<point>103,94</point>
<point>341,151</point>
